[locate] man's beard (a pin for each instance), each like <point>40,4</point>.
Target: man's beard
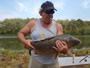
<point>48,21</point>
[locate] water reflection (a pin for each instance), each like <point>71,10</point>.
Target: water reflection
<point>8,36</point>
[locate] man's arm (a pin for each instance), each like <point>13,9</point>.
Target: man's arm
<point>25,31</point>
<point>59,29</point>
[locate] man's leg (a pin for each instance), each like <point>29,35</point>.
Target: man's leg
<point>34,64</point>
<point>52,65</point>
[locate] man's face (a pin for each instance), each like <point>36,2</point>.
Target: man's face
<point>48,16</point>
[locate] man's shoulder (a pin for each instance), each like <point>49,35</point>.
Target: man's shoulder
<point>33,21</point>
<point>59,28</point>
<point>58,24</point>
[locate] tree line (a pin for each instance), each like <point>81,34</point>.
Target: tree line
<point>73,27</point>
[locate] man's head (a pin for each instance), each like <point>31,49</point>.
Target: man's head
<point>47,7</point>
<point>47,10</point>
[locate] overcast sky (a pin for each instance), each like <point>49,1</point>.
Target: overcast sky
<point>66,9</point>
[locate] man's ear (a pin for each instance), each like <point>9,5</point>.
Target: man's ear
<point>41,13</point>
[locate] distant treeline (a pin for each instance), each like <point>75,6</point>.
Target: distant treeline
<point>74,27</point>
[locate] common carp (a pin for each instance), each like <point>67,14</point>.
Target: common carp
<point>45,46</point>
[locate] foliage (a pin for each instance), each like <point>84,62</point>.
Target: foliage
<point>14,58</point>
<point>12,26</point>
<point>74,27</point>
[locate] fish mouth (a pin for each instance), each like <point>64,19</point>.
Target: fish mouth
<point>75,42</point>
<point>78,42</point>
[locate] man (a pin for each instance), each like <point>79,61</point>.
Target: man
<point>39,29</point>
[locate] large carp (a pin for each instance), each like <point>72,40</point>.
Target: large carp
<point>45,46</point>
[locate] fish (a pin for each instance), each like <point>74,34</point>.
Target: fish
<point>46,46</point>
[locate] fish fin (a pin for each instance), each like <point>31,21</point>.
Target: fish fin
<point>56,55</point>
<point>36,52</point>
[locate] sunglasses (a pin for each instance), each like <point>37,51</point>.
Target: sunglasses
<point>49,11</point>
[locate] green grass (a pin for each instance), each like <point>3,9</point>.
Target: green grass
<point>13,58</point>
<point>79,52</point>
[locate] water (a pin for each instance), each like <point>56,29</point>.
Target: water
<point>8,36</point>
<point>12,43</point>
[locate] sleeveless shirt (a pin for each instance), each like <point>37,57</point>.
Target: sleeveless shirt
<point>40,33</point>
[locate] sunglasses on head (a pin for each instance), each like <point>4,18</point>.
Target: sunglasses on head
<point>49,11</point>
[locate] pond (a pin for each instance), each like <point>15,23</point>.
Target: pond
<point>12,43</point>
<point>85,41</point>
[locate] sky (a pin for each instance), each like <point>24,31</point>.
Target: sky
<point>66,9</point>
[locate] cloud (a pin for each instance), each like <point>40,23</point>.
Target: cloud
<point>34,8</point>
<point>59,5</point>
<point>22,6</point>
<point>8,14</point>
<point>87,19</point>
<point>64,17</point>
<point>86,4</point>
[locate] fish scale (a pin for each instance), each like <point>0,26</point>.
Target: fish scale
<point>45,46</point>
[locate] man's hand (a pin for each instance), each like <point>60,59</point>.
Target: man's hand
<point>28,45</point>
<point>61,47</point>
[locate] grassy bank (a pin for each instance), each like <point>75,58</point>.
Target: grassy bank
<point>79,52</point>
<point>13,59</point>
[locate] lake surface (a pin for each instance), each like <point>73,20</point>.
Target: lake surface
<point>12,43</point>
<point>8,37</point>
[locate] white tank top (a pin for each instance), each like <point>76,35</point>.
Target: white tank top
<point>40,33</point>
